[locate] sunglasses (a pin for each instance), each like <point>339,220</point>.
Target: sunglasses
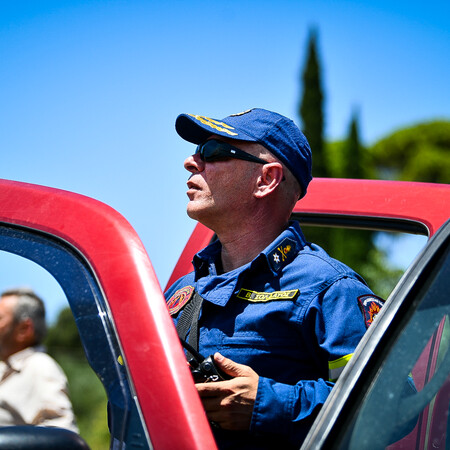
<point>213,150</point>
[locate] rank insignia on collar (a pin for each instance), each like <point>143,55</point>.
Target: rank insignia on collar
<point>282,254</point>
<point>179,299</point>
<point>370,306</point>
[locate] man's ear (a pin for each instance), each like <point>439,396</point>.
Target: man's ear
<point>25,332</point>
<point>271,176</point>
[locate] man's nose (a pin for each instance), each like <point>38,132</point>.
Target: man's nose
<point>194,163</point>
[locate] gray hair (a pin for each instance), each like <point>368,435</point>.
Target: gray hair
<point>29,306</point>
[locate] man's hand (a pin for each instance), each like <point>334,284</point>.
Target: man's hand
<point>230,403</point>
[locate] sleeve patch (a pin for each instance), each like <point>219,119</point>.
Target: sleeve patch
<point>179,299</point>
<point>370,306</point>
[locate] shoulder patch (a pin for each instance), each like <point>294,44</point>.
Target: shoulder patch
<point>179,299</point>
<point>370,306</point>
<point>262,297</point>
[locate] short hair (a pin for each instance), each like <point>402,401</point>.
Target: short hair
<point>29,306</point>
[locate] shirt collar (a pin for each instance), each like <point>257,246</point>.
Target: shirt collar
<point>276,256</point>
<point>16,360</point>
<point>205,260</point>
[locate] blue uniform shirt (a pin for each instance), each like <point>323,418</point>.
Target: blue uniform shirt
<point>294,315</point>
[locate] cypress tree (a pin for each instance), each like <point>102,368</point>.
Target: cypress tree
<point>311,115</point>
<point>311,107</point>
<point>353,166</point>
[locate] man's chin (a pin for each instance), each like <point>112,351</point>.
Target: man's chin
<point>193,212</point>
<point>198,213</point>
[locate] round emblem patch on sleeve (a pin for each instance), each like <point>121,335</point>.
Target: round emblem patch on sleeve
<point>179,299</point>
<point>370,306</point>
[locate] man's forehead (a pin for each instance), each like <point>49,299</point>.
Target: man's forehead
<point>8,301</point>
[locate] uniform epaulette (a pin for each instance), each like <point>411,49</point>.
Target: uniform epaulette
<point>282,254</point>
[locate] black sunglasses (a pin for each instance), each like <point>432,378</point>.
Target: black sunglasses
<point>213,150</point>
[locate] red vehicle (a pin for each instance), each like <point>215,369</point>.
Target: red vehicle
<point>119,308</point>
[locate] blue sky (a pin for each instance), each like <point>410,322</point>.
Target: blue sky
<point>89,91</point>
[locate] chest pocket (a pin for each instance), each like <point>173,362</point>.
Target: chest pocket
<point>263,321</point>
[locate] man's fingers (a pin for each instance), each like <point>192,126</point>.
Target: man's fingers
<point>230,403</point>
<point>230,367</point>
<point>217,389</point>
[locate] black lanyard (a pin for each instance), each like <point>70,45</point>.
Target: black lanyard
<point>189,320</point>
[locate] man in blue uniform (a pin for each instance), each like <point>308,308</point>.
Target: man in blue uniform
<point>281,317</point>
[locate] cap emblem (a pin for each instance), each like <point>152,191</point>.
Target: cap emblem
<point>215,124</point>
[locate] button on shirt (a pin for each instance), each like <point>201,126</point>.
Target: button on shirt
<point>292,315</point>
<point>33,391</point>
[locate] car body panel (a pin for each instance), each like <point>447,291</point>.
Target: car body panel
<point>425,204</point>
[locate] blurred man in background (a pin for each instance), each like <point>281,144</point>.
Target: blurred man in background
<point>33,387</point>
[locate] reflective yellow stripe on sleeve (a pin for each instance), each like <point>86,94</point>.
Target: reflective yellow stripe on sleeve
<point>337,366</point>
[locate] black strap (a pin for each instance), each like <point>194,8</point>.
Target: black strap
<point>189,320</point>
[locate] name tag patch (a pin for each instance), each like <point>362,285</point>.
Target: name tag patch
<point>261,297</point>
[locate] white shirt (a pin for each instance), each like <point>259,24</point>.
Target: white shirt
<point>33,391</point>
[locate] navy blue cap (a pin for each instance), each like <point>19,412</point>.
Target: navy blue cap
<point>276,133</point>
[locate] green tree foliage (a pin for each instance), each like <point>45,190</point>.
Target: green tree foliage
<point>353,157</point>
<point>63,335</point>
<point>343,159</point>
<point>352,246</point>
<point>417,153</point>
<point>334,155</point>
<point>346,159</point>
<point>86,391</point>
<point>311,107</point>
<point>380,275</point>
<point>312,118</point>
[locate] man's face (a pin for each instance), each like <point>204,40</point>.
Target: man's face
<point>7,326</point>
<point>218,191</point>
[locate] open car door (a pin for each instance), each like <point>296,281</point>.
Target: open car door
<point>121,315</point>
<point>395,392</point>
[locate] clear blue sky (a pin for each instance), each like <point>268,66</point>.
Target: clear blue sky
<point>89,91</point>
